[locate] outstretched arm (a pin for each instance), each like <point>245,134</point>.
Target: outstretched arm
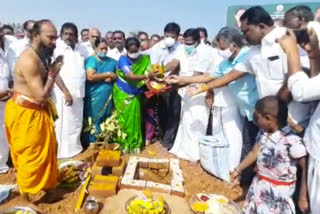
<point>182,80</point>
<point>248,161</point>
<point>217,82</point>
<point>225,79</point>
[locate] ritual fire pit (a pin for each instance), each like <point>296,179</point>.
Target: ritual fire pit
<point>137,175</point>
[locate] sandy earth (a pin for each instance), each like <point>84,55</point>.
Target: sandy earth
<point>196,180</point>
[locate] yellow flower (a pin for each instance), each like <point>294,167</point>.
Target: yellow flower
<point>157,68</point>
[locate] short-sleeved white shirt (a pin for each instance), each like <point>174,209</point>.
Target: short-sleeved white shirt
<point>161,54</point>
<point>268,62</point>
<point>116,54</point>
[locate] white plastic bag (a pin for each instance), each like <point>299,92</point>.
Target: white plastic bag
<point>214,156</point>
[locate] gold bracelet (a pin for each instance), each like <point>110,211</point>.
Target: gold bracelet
<point>68,93</point>
<point>204,87</point>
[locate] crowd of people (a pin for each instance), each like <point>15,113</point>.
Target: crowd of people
<point>259,84</point>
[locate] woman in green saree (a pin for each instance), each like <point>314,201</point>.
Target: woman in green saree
<point>128,95</point>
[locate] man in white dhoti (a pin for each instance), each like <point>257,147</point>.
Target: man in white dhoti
<point>69,124</point>
<point>306,89</point>
<point>226,119</point>
<point>193,58</point>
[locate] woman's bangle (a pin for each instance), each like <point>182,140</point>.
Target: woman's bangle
<point>204,87</point>
<point>67,94</point>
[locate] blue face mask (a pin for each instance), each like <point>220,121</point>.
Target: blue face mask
<point>101,55</point>
<point>189,49</point>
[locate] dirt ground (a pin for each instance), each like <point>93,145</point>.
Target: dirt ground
<point>196,180</point>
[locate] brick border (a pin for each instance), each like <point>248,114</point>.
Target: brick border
<point>173,164</point>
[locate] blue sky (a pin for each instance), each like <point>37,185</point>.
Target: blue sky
<point>127,15</point>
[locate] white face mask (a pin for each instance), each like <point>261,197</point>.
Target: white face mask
<point>134,55</point>
<point>226,54</point>
<point>169,41</point>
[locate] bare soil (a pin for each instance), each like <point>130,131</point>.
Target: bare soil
<point>65,199</point>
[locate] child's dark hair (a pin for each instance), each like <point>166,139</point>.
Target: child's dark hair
<point>272,105</point>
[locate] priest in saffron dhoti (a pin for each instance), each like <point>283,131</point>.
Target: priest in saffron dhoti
<point>29,114</point>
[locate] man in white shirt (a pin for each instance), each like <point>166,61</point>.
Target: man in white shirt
<point>4,95</point>
<point>193,59</point>
<point>84,35</point>
<point>164,51</point>
<point>89,46</point>
<point>226,118</point>
<point>268,62</point>
<point>16,48</point>
<point>170,102</point>
<point>108,38</point>
<point>118,40</point>
<point>5,42</point>
<point>307,89</point>
<point>69,124</point>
